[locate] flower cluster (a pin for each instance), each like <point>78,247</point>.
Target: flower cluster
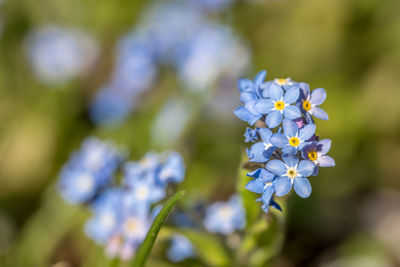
<point>225,217</point>
<point>285,142</point>
<point>178,34</point>
<point>122,211</point>
<point>60,54</point>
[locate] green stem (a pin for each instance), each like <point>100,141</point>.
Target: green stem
<point>144,250</point>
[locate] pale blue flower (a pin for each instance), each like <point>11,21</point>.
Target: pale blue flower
<point>290,173</point>
<point>292,139</point>
<point>309,102</point>
<point>261,151</point>
<point>181,249</point>
<point>225,217</point>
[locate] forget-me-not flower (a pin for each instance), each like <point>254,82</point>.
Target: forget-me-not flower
<point>263,184</point>
<point>181,249</point>
<point>261,151</point>
<point>291,172</point>
<point>225,217</point>
<point>279,105</point>
<point>309,102</point>
<point>292,139</point>
<point>316,152</point>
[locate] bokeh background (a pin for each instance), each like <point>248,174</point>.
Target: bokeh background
<point>350,48</point>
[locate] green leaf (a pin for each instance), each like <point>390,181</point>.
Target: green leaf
<point>145,248</point>
<point>208,247</point>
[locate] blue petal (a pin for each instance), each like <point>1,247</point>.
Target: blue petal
<point>291,95</point>
<point>276,166</point>
<point>255,173</point>
<point>275,205</point>
<point>275,92</point>
<point>273,119</point>
<point>324,146</point>
<point>260,77</point>
<point>304,89</point>
<point>244,84</point>
<point>288,150</point>
<point>291,112</point>
<point>282,186</point>
<point>255,186</point>
<point>318,96</point>
<point>302,187</point>
<point>265,134</point>
<point>243,114</point>
<point>291,161</point>
<point>265,89</point>
<point>307,132</point>
<point>289,128</point>
<point>264,106</point>
<point>266,176</point>
<point>319,113</point>
<point>251,107</point>
<point>326,161</point>
<point>305,168</point>
<point>278,140</point>
<point>248,96</point>
<point>256,152</point>
<point>267,195</point>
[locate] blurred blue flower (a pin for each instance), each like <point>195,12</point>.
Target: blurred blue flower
<point>261,151</point>
<point>293,139</point>
<point>290,173</point>
<point>181,248</point>
<point>279,105</point>
<point>88,170</point>
<point>309,102</point>
<point>212,5</point>
<point>225,217</point>
<point>107,216</point>
<point>59,54</point>
<point>172,170</point>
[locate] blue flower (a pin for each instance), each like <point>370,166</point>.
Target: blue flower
<point>250,135</point>
<point>284,83</point>
<point>173,169</point>
<point>263,184</point>
<point>88,171</point>
<point>309,102</point>
<point>279,105</point>
<point>145,192</point>
<point>290,173</point>
<point>316,152</point>
<point>181,249</point>
<point>107,215</point>
<point>225,217</point>
<point>250,94</point>
<point>293,139</point>
<point>261,151</point>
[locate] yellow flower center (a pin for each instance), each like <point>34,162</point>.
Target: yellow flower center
<point>279,105</point>
<point>306,105</point>
<point>312,155</point>
<point>294,141</point>
<point>281,81</point>
<point>292,173</point>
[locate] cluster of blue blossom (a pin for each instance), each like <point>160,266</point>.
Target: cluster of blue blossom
<point>225,217</point>
<point>178,34</point>
<point>122,212</point>
<point>285,141</point>
<point>59,54</point>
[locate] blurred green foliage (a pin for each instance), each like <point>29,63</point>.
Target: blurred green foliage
<point>351,48</point>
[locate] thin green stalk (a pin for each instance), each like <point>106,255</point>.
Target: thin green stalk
<point>144,250</point>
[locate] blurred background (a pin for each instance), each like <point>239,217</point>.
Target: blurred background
<point>161,75</point>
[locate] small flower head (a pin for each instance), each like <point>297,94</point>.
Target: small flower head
<point>261,151</point>
<point>225,217</point>
<point>293,139</point>
<point>309,103</point>
<point>181,249</point>
<point>291,172</point>
<point>316,152</point>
